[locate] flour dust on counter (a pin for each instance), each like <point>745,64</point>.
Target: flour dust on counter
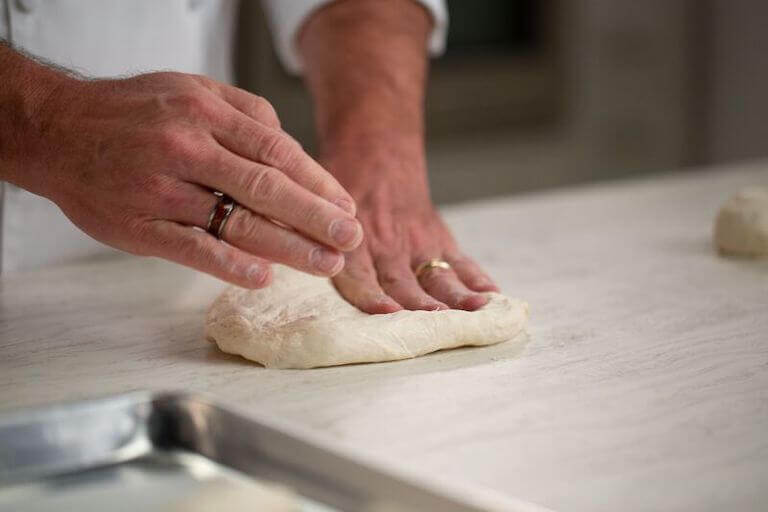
<point>301,321</point>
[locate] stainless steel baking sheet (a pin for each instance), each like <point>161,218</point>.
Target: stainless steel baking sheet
<point>175,451</point>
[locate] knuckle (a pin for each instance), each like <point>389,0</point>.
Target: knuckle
<point>140,231</point>
<point>196,248</point>
<point>358,270</point>
<point>179,143</point>
<point>134,224</point>
<point>265,112</point>
<point>432,279</point>
<point>244,226</point>
<point>262,183</point>
<point>190,103</point>
<point>157,185</point>
<point>170,75</point>
<point>160,193</point>
<point>170,137</point>
<point>392,278</point>
<point>314,213</point>
<point>459,260</point>
<point>262,103</point>
<point>172,198</point>
<point>276,149</point>
<point>205,81</point>
<point>152,78</point>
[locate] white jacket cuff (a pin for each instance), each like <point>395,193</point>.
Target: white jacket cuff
<point>287,16</point>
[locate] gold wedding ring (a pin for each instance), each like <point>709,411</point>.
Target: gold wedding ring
<point>429,265</point>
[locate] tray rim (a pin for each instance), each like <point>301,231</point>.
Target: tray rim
<point>459,495</point>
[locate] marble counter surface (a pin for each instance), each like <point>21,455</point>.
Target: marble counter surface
<point>644,385</point>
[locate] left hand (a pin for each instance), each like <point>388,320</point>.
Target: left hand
<point>402,230</point>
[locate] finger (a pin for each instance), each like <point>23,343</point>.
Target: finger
<point>186,203</point>
<point>197,249</point>
<point>260,236</point>
<point>269,192</point>
<point>471,274</point>
<point>274,148</point>
<point>443,285</point>
<point>358,285</point>
<point>255,107</point>
<point>253,233</point>
<point>397,280</point>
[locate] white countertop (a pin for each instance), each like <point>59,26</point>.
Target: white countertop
<point>644,385</point>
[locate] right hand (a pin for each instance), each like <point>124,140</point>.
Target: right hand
<point>133,163</point>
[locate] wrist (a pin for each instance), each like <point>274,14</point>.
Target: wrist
<point>376,112</point>
<point>369,162</point>
<point>28,94</point>
<point>366,70</point>
<point>368,140</point>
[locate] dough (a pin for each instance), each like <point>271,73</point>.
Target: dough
<point>741,227</point>
<point>300,321</point>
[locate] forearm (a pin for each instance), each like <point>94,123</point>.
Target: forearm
<point>25,87</point>
<point>366,67</point>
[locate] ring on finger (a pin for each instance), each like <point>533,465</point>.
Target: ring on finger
<point>429,265</point>
<point>220,213</point>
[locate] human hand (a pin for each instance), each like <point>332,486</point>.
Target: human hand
<point>366,68</point>
<point>402,230</point>
<point>133,163</point>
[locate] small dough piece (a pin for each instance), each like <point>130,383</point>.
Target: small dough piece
<point>300,321</point>
<point>741,227</point>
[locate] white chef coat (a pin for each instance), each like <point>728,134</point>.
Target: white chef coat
<point>109,38</point>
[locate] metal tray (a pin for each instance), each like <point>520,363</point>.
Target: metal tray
<point>175,451</point>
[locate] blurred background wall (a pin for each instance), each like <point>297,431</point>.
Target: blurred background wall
<point>541,93</point>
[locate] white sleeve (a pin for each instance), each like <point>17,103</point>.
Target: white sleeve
<point>287,16</point>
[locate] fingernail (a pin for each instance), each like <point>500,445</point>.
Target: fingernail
<point>345,232</point>
<point>484,284</point>
<point>256,274</point>
<point>384,304</point>
<point>346,205</point>
<point>326,261</point>
<point>472,302</point>
<point>435,306</point>
<point>481,281</point>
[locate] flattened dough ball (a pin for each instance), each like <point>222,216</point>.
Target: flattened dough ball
<point>301,321</point>
<point>741,227</point>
